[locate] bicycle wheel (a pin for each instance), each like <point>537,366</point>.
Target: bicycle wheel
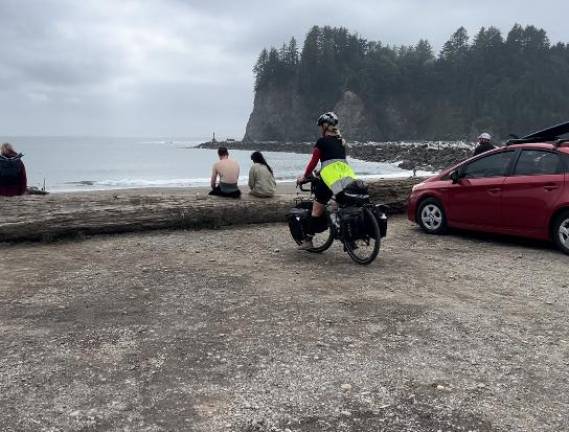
<point>323,240</point>
<point>364,250</point>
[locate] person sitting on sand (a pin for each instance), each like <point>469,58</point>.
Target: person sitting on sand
<point>261,179</point>
<point>227,172</point>
<point>13,179</point>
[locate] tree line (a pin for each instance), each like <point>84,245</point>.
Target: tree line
<point>510,84</point>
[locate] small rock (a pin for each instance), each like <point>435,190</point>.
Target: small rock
<point>346,413</point>
<point>276,250</point>
<point>440,387</point>
<point>346,387</point>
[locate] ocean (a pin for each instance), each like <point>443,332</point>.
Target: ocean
<point>69,164</point>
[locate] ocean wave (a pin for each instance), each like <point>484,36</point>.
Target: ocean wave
<point>197,182</point>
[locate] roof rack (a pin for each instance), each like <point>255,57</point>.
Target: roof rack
<point>529,140</point>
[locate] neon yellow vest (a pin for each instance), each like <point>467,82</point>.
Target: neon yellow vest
<point>337,174</point>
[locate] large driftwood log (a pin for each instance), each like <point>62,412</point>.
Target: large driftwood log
<point>61,215</point>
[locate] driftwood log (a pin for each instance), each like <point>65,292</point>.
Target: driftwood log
<point>32,218</point>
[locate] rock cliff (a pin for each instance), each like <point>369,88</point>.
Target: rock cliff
<point>280,114</point>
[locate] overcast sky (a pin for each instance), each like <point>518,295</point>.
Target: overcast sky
<point>182,67</point>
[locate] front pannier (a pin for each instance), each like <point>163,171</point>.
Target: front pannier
<point>298,219</point>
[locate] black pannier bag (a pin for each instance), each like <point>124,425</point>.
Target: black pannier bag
<point>380,213</point>
<point>353,223</point>
<point>355,194</point>
<point>298,221</point>
<point>357,224</point>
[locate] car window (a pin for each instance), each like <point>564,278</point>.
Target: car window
<point>538,162</point>
<point>495,165</point>
<point>565,158</point>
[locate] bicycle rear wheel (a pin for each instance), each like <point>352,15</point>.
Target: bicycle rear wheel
<point>365,250</point>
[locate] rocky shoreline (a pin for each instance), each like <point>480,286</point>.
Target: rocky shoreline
<point>427,155</point>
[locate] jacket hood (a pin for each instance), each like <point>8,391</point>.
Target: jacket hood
<point>14,157</point>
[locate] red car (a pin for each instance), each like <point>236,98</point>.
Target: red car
<point>521,189</point>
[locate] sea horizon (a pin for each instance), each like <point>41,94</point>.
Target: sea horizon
<point>74,164</point>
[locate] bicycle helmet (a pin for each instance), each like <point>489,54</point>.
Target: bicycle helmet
<point>329,117</point>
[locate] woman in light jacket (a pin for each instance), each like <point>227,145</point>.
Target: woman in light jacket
<point>261,179</point>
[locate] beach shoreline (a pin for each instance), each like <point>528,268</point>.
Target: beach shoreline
<point>286,187</point>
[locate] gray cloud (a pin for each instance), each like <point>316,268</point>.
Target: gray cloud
<point>183,67</point>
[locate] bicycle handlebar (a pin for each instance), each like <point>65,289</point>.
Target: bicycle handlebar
<point>306,181</point>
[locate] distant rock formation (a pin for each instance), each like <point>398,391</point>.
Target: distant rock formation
<point>280,115</point>
<point>355,122</point>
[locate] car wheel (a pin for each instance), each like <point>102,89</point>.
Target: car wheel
<point>431,216</point>
<point>561,232</point>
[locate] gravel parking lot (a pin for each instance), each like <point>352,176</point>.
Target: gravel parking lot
<point>234,330</point>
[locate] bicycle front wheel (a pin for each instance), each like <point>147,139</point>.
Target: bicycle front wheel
<point>365,250</point>
<point>323,240</point>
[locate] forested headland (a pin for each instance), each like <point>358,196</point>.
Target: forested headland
<point>504,84</point>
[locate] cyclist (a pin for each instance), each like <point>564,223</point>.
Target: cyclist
<point>335,173</point>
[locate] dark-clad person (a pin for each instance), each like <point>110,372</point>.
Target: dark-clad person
<point>225,175</point>
<point>13,179</point>
<point>261,178</point>
<point>484,144</point>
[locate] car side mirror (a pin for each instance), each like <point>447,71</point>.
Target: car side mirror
<point>455,176</point>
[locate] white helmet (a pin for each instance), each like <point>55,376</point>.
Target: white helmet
<point>485,136</point>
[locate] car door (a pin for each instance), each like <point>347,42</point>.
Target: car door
<point>474,201</point>
<point>532,192</point>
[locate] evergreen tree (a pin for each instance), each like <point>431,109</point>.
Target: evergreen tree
<point>502,85</point>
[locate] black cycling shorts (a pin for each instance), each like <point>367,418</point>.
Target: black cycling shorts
<point>322,193</point>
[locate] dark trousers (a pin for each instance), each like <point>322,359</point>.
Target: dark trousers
<point>218,192</point>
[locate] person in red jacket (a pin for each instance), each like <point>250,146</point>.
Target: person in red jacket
<point>13,179</point>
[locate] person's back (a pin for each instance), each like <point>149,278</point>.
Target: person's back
<point>13,180</point>
<point>227,172</point>
<point>261,181</point>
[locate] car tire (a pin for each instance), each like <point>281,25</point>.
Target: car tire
<point>560,231</point>
<point>431,216</point>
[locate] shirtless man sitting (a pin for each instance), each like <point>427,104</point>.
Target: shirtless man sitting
<point>227,171</point>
